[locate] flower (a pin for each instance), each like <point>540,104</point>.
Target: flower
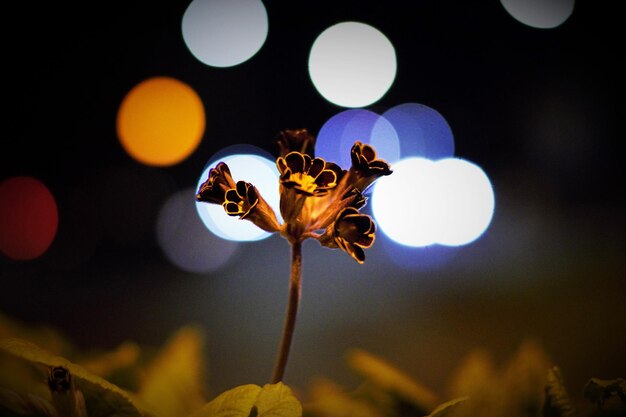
<point>213,190</point>
<point>307,175</point>
<point>245,201</point>
<point>352,232</point>
<point>318,199</point>
<point>366,166</point>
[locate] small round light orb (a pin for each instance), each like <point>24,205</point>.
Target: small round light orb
<point>352,64</point>
<point>224,33</point>
<point>540,14</point>
<point>465,202</point>
<point>336,137</point>
<point>402,203</point>
<point>184,240</point>
<point>161,121</point>
<point>422,131</point>
<point>255,169</point>
<point>28,218</point>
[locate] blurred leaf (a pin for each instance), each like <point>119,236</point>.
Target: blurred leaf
<point>174,381</point>
<point>106,363</point>
<point>475,373</point>
<point>599,390</point>
<point>328,399</point>
<point>524,379</point>
<point>390,379</point>
<point>557,402</point>
<point>102,398</point>
<point>44,336</point>
<point>477,379</point>
<point>273,400</point>
<point>447,408</point>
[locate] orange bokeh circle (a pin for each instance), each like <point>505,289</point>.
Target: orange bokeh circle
<point>160,121</point>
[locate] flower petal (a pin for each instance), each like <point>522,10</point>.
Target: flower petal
<point>232,196</point>
<point>232,209</point>
<point>326,179</point>
<point>297,162</point>
<point>317,166</point>
<point>242,189</point>
<point>281,164</point>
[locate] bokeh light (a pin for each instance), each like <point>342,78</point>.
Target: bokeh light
<point>160,121</point>
<point>466,201</point>
<point>338,134</point>
<point>421,130</point>
<point>421,258</point>
<point>402,203</point>
<point>185,241</point>
<point>352,64</point>
<point>253,168</point>
<point>448,202</point>
<point>28,218</point>
<point>224,33</point>
<point>541,14</point>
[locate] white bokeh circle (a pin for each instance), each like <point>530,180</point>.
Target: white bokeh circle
<point>224,33</point>
<point>448,202</point>
<point>540,14</point>
<point>352,64</point>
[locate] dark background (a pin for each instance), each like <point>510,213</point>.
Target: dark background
<point>540,111</point>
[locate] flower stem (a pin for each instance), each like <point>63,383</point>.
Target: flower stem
<point>295,291</point>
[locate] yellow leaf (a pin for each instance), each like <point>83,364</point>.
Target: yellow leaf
<point>273,400</point>
<point>102,398</point>
<point>389,378</point>
<point>477,378</point>
<point>277,400</point>
<point>330,400</point>
<point>174,381</point>
<point>447,408</point>
<point>104,364</point>
<point>524,377</point>
<point>44,336</point>
<point>237,402</point>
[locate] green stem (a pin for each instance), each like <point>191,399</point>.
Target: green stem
<point>295,292</point>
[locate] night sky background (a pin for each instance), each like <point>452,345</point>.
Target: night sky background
<point>540,110</point>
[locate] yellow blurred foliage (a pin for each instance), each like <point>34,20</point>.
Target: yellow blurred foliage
<point>173,384</point>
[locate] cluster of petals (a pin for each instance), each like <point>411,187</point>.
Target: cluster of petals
<point>318,199</point>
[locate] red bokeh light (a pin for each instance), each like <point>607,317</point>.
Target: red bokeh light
<point>28,218</point>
